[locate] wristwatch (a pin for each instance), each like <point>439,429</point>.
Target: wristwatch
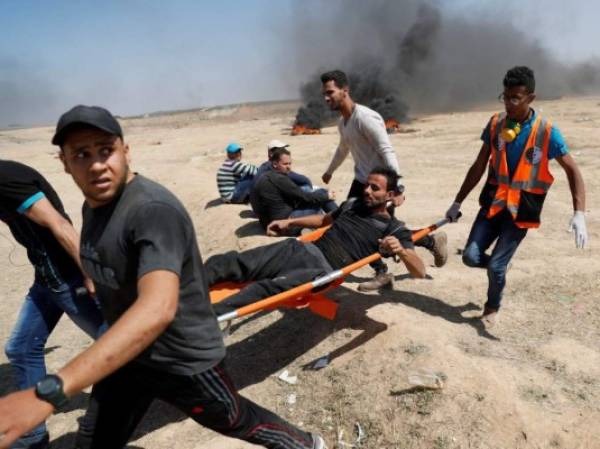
<point>50,389</point>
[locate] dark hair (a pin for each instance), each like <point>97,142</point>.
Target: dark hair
<point>270,151</point>
<point>393,178</point>
<point>277,153</point>
<point>337,76</point>
<point>520,76</point>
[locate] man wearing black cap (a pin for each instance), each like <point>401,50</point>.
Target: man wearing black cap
<point>37,220</point>
<point>138,244</point>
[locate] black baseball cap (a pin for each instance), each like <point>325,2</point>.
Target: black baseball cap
<point>86,115</point>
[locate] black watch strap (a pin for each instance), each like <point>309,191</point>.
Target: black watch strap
<point>50,389</point>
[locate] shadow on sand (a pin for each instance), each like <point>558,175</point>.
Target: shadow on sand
<point>213,203</point>
<point>249,214</point>
<point>250,229</point>
<point>274,347</point>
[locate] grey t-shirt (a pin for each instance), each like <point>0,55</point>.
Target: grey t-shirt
<point>147,229</point>
<point>365,137</point>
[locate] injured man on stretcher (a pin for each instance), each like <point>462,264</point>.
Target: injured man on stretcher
<point>359,228</point>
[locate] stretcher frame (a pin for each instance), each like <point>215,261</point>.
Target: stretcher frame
<point>309,295</point>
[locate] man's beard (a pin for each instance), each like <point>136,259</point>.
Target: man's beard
<point>374,205</point>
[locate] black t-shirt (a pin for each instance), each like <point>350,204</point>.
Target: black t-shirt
<point>147,229</point>
<point>355,234</point>
<point>276,196</point>
<point>21,187</point>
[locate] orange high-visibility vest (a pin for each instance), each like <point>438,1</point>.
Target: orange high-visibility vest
<point>523,195</point>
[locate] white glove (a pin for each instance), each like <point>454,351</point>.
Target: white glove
<point>453,214</point>
<point>577,226</point>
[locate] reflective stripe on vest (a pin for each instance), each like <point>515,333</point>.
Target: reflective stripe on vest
<point>529,176</point>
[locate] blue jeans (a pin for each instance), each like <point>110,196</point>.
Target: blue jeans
<point>39,314</point>
<point>241,193</point>
<point>483,233</point>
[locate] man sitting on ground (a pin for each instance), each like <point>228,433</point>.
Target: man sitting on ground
<point>298,179</point>
<point>234,177</point>
<point>275,196</point>
<point>360,227</point>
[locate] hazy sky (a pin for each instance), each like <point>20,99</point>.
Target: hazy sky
<point>136,56</point>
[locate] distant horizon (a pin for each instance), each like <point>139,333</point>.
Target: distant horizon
<point>259,102</point>
<point>142,56</point>
<point>161,112</point>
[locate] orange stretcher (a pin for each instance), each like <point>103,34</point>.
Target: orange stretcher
<point>310,294</point>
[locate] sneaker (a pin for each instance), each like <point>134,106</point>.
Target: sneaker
<point>489,317</point>
<point>440,251</point>
<point>380,280</point>
<point>318,442</point>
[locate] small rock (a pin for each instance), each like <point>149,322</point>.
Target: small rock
<point>285,376</point>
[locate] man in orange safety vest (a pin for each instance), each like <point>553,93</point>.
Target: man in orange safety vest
<point>517,147</point>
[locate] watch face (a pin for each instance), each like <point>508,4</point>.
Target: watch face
<point>47,386</point>
<point>50,389</point>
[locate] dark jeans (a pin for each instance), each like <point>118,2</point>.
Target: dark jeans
<point>357,189</point>
<point>241,194</point>
<point>329,206</point>
<point>119,402</point>
<point>483,233</point>
<point>300,180</point>
<point>273,269</point>
<point>42,309</point>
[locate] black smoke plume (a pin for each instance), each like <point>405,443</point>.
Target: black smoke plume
<point>402,54</point>
<point>368,88</point>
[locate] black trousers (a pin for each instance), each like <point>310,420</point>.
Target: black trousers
<point>356,191</point>
<point>119,402</point>
<point>272,269</point>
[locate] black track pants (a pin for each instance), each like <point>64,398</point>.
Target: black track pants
<point>272,269</point>
<point>119,402</point>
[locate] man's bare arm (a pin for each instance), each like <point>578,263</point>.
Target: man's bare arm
<point>576,184</point>
<point>44,214</point>
<point>474,174</point>
<point>138,327</point>
<point>340,154</point>
<point>414,264</point>
<point>310,221</point>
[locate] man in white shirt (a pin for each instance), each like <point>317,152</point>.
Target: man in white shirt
<point>363,134</point>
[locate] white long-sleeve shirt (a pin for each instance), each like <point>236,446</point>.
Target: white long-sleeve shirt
<point>364,136</point>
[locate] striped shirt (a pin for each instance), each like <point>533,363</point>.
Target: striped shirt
<point>230,174</point>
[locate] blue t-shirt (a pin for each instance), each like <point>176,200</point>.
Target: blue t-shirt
<point>514,149</point>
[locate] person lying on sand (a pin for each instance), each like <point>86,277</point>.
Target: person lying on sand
<point>359,228</point>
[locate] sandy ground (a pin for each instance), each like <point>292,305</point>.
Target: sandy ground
<point>531,382</point>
